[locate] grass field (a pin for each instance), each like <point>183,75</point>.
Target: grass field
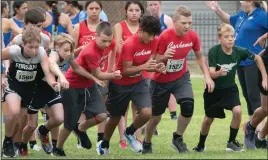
<point>216,141</point>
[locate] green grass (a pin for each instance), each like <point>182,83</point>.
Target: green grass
<point>216,141</point>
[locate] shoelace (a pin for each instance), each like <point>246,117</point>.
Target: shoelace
<point>238,144</point>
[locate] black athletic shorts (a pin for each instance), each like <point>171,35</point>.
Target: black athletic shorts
<point>119,97</point>
<point>44,96</point>
<point>220,99</point>
<point>160,93</point>
<point>78,100</point>
<point>25,92</point>
<point>103,90</point>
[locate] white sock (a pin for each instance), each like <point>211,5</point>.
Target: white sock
<point>260,137</point>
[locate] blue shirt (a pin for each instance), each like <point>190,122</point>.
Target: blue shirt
<point>76,20</point>
<point>83,16</point>
<point>19,23</point>
<point>162,23</point>
<point>50,28</point>
<point>248,28</point>
<point>7,37</point>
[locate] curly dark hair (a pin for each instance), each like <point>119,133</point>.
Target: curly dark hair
<point>151,25</point>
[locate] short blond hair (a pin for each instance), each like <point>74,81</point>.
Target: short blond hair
<point>224,27</point>
<point>182,10</point>
<point>31,34</point>
<point>62,39</point>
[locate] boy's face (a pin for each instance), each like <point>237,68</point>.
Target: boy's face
<point>153,7</point>
<point>103,41</point>
<point>227,39</point>
<point>31,49</point>
<point>146,37</point>
<point>183,24</point>
<point>65,51</point>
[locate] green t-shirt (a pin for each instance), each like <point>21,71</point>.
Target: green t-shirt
<point>217,58</point>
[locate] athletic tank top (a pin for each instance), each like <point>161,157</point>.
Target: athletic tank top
<point>51,27</point>
<point>125,31</point>
<point>7,38</point>
<point>22,70</point>
<point>85,35</point>
<point>19,23</point>
<point>75,20</point>
<point>162,23</point>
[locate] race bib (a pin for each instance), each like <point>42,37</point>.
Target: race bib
<point>25,76</point>
<point>174,65</point>
<point>136,75</point>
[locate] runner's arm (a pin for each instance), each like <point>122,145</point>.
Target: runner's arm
<point>81,71</point>
<point>102,75</point>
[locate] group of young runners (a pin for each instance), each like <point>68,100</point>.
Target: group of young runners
<point>80,72</point>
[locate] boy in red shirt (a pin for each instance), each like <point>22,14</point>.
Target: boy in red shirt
<point>175,45</point>
<point>83,94</point>
<point>137,55</point>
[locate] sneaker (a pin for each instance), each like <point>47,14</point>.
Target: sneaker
<point>147,148</point>
<point>260,144</point>
<point>83,138</point>
<point>234,146</point>
<point>23,150</point>
<point>58,152</point>
<point>79,145</point>
<point>36,148</point>
<point>249,138</point>
<point>100,150</point>
<point>135,144</point>
<point>199,149</point>
<point>8,149</point>
<point>179,145</point>
<point>45,143</point>
<point>16,148</point>
<point>123,144</point>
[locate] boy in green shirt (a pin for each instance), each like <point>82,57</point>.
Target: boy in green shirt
<point>224,59</point>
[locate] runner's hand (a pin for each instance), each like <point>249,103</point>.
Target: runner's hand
<point>149,64</point>
<point>56,86</point>
<point>223,72</point>
<point>63,82</point>
<point>169,53</point>
<point>161,68</point>
<point>210,84</point>
<point>117,74</point>
<point>100,83</point>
